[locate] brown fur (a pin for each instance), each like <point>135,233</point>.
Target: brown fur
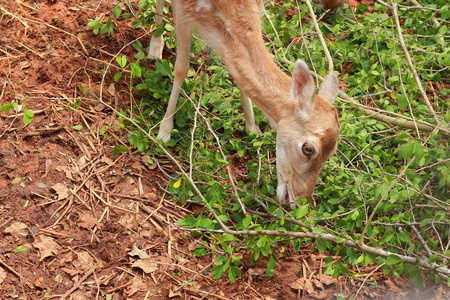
<point>332,5</point>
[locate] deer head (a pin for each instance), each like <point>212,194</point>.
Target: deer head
<point>307,137</point>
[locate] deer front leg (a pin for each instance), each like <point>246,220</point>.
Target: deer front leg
<point>183,32</point>
<point>249,115</point>
<point>157,42</point>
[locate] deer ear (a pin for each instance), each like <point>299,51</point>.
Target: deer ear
<point>330,88</point>
<point>302,85</point>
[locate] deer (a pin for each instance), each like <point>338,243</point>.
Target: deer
<point>332,6</point>
<point>306,123</point>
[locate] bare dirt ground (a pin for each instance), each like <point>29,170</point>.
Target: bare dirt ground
<point>77,222</point>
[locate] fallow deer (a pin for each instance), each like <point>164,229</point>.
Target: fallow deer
<point>332,6</point>
<point>307,125</point>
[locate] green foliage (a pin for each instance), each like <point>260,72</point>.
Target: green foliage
<point>20,249</point>
<point>120,148</point>
<point>8,106</point>
<point>371,154</point>
<point>28,114</point>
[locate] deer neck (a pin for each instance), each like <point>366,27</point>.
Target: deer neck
<point>260,79</point>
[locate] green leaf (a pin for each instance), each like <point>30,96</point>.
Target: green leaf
<point>122,60</point>
<point>108,28</point>
<point>393,259</point>
<point>362,7</point>
<point>425,222</point>
<point>7,107</point>
<point>354,215</point>
<point>169,27</point>
<point>402,102</point>
<point>445,12</point>
<point>217,271</point>
<point>117,11</point>
<point>433,258</point>
<point>385,238</point>
<point>437,77</point>
<point>301,211</point>
<point>16,180</point>
<point>119,148</point>
<point>407,150</point>
<point>159,30</point>
<point>95,25</point>
<point>20,249</point>
<point>418,151</point>
<point>443,29</point>
<point>270,266</point>
<point>136,70</point>
<point>233,272</point>
<point>321,244</point>
<point>160,68</point>
<point>360,259</point>
<point>171,143</point>
<point>247,220</point>
<point>117,76</point>
<point>77,127</point>
<point>28,115</point>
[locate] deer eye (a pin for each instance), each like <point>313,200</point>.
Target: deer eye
<point>308,150</point>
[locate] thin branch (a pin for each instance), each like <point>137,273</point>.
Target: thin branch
<point>411,66</point>
<point>191,151</point>
<point>321,39</point>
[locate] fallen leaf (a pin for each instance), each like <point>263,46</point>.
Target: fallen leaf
<point>309,287</point>
<point>146,264</point>
<point>87,221</point>
<point>107,160</point>
<point>79,295</point>
<point>172,294</point>
<point>299,284</point>
<point>137,285</point>
<point>17,229</point>
<point>61,190</point>
<point>321,295</point>
<point>24,65</point>
<point>127,221</point>
<point>318,284</point>
<point>112,89</point>
<point>146,234</point>
<point>256,271</point>
<point>84,261</point>
<point>59,278</point>
<point>82,161</point>
<point>327,279</point>
<point>205,290</point>
<point>192,246</point>
<point>47,246</point>
<point>182,261</point>
<point>392,286</point>
<point>135,251</point>
<point>71,271</point>
<point>66,170</point>
<point>20,36</point>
